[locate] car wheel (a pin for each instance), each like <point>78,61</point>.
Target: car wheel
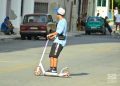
<point>104,32</point>
<point>46,35</point>
<point>86,32</point>
<point>36,38</point>
<point>29,37</point>
<point>46,38</point>
<point>89,33</point>
<point>22,37</point>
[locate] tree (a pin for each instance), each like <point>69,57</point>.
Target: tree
<point>118,3</point>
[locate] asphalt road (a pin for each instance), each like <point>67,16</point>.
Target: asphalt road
<point>92,60</point>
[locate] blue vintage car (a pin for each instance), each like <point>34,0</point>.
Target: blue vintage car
<point>95,24</point>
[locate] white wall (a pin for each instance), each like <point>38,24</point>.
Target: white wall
<point>16,8</point>
<point>102,10</point>
<point>2,10</point>
<point>28,7</point>
<point>93,9</point>
<point>42,0</point>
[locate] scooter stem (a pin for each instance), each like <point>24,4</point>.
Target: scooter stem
<point>44,51</point>
<point>40,63</point>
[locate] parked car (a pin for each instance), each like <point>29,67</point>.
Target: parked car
<point>36,25</point>
<point>95,24</point>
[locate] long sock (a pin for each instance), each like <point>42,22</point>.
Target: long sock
<point>55,63</point>
<point>51,62</point>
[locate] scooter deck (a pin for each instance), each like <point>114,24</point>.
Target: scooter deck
<point>56,74</point>
<point>62,73</point>
<point>51,74</point>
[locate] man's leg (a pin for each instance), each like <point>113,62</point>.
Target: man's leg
<point>7,32</point>
<point>116,26</point>
<point>53,64</point>
<point>54,53</point>
<point>119,26</point>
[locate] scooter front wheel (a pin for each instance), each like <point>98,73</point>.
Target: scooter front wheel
<point>38,71</point>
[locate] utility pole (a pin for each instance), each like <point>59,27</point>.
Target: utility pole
<point>79,5</point>
<point>64,4</point>
<point>112,10</point>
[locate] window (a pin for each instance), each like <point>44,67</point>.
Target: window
<point>35,18</point>
<point>101,3</point>
<point>42,19</point>
<point>74,2</point>
<point>41,7</point>
<point>94,19</point>
<point>50,18</point>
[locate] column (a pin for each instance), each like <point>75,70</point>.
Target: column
<point>16,14</point>
<point>2,10</point>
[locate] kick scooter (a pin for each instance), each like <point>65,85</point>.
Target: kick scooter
<point>41,71</point>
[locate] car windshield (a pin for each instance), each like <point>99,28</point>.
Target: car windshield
<point>95,19</point>
<point>35,19</point>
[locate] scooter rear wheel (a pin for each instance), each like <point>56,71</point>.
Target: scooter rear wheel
<point>66,74</point>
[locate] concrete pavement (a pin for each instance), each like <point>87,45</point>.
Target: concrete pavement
<point>7,37</point>
<point>75,33</point>
<point>92,60</point>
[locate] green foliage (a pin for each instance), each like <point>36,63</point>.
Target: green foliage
<point>118,2</point>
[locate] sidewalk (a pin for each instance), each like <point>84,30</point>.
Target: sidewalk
<point>5,37</point>
<point>75,33</point>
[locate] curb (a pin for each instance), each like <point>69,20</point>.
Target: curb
<point>9,37</point>
<point>17,36</point>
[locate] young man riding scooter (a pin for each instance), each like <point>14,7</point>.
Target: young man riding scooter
<point>59,38</point>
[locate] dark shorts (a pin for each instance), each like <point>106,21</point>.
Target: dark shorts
<point>55,50</point>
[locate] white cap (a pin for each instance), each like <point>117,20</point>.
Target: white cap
<point>61,11</point>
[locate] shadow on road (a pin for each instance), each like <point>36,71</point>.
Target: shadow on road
<point>79,74</point>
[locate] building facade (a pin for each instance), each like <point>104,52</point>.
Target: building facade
<point>16,9</point>
<point>102,7</point>
<point>98,6</point>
